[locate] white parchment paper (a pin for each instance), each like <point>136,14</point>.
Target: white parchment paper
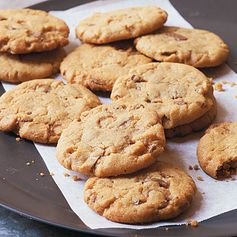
<point>213,197</point>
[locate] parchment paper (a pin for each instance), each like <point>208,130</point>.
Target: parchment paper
<point>213,197</point>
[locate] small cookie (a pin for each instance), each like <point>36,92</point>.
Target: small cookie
<point>217,150</point>
<point>24,67</point>
<point>157,193</point>
<point>197,125</point>
<point>27,30</point>
<point>98,67</point>
<point>199,48</point>
<point>180,93</point>
<point>39,110</point>
<point>127,23</point>
<point>111,140</point>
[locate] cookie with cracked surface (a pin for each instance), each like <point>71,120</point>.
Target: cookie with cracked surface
<point>39,110</point>
<point>197,125</point>
<point>217,150</point>
<point>157,193</point>
<point>180,93</point>
<point>26,67</point>
<point>199,48</point>
<point>112,139</point>
<point>101,28</point>
<point>28,30</point>
<point>98,66</point>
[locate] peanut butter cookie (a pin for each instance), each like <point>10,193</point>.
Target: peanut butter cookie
<point>199,48</point>
<point>217,150</point>
<point>112,139</point>
<point>27,30</point>
<point>107,27</point>
<point>39,110</point>
<point>179,93</point>
<point>157,193</point>
<point>98,67</point>
<point>24,67</point>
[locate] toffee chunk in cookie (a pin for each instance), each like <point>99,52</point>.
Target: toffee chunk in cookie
<point>178,92</point>
<point>27,30</point>
<point>39,110</point>
<point>199,48</point>
<point>160,192</point>
<point>112,139</point>
<point>107,27</point>
<point>98,67</point>
<point>25,67</point>
<point>217,150</point>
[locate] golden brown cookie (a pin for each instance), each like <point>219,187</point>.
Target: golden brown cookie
<point>157,193</point>
<point>25,67</point>
<point>179,93</point>
<point>39,110</point>
<point>197,125</point>
<point>28,30</point>
<point>199,48</point>
<point>111,140</point>
<point>127,23</point>
<point>217,150</point>
<point>98,67</point>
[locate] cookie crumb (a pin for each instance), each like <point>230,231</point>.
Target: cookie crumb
<point>66,175</point>
<point>51,173</point>
<point>196,167</point>
<point>41,174</point>
<point>190,167</point>
<point>236,97</point>
<point>193,223</point>
<point>32,161</point>
<point>166,228</point>
<point>75,178</point>
<point>200,178</point>
<point>27,163</point>
<point>219,87</point>
<point>232,84</point>
<point>18,139</point>
<point>224,82</point>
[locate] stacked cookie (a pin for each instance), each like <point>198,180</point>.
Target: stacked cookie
<point>31,44</point>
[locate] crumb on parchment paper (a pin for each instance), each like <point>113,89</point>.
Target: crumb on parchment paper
<point>218,87</point>
<point>66,175</point>
<point>193,223</point>
<point>75,178</point>
<point>200,178</point>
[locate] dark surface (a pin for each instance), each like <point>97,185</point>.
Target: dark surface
<point>20,189</point>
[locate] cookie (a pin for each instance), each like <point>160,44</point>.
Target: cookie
<point>160,192</point>
<point>25,67</point>
<point>39,110</point>
<point>217,150</point>
<point>98,67</point>
<point>27,30</point>
<point>107,27</point>
<point>197,125</point>
<point>111,140</point>
<point>199,48</point>
<point>180,93</point>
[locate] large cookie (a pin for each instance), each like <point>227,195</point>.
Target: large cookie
<point>111,140</point>
<point>199,48</point>
<point>39,110</point>
<point>157,193</point>
<point>197,125</point>
<point>27,30</point>
<point>121,24</point>
<point>180,93</point>
<point>217,150</point>
<point>98,67</point>
<point>25,67</point>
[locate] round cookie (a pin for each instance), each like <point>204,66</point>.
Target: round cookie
<point>39,110</point>
<point>179,93</point>
<point>160,192</point>
<point>98,67</point>
<point>199,48</point>
<point>24,67</point>
<point>112,139</point>
<point>217,150</point>
<point>197,125</point>
<point>127,23</point>
<point>27,30</point>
